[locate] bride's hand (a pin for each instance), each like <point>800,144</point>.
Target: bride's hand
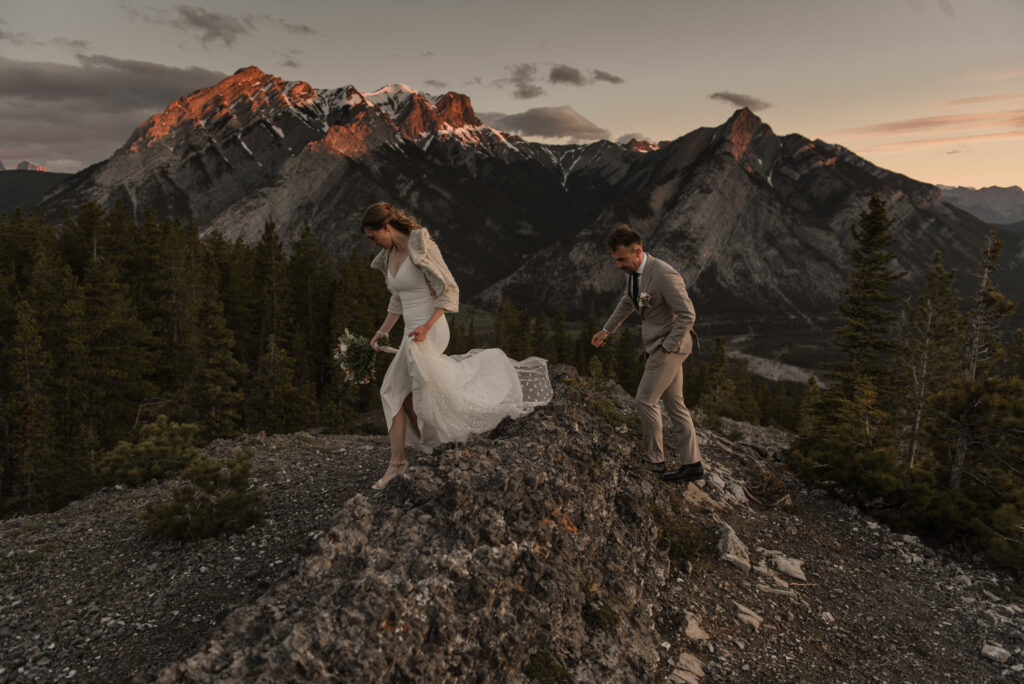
<point>374,340</point>
<point>419,334</point>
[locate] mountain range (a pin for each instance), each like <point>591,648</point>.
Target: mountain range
<point>757,223</point>
<point>993,204</point>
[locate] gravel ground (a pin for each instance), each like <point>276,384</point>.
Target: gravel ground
<point>87,595</point>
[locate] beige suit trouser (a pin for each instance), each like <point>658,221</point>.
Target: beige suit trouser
<point>663,380</point>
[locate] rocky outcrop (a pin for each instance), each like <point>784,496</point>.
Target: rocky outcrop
<point>541,550</point>
<point>29,166</point>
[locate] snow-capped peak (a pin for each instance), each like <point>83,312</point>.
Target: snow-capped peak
<point>395,95</point>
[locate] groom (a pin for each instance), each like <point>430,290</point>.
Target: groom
<point>656,292</point>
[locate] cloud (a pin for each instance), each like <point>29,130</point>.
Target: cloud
<point>434,83</point>
<point>564,73</point>
<point>299,29</point>
<point>73,44</point>
<point>20,38</point>
<point>290,59</point>
<point>936,124</point>
<point>210,26</point>
<point>985,99</point>
<point>605,76</point>
<point>1004,75</point>
<point>523,80</point>
<point>84,112</point>
<point>547,122</point>
<point>914,145</point>
<point>752,103</point>
<point>213,27</point>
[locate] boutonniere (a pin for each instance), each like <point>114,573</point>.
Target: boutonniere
<point>643,299</point>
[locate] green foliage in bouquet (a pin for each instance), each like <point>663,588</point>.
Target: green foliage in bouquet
<point>355,357</point>
<point>217,500</point>
<point>165,450</point>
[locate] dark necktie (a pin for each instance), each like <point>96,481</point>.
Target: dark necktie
<point>634,290</point>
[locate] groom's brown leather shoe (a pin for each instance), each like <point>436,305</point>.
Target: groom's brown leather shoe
<point>686,473</point>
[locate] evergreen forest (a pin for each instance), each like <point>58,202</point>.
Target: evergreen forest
<point>124,344</point>
<point>922,419</point>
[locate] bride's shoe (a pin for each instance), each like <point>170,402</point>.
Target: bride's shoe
<point>393,471</point>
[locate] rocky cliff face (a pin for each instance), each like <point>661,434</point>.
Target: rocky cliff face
<point>757,223</point>
<point>759,226</point>
<point>539,551</point>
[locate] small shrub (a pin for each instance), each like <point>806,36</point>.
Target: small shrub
<point>165,449</point>
<point>546,669</point>
<point>685,539</point>
<point>216,501</point>
<point>600,616</point>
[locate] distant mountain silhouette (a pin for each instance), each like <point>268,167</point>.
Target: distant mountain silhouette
<point>25,189</point>
<point>993,204</point>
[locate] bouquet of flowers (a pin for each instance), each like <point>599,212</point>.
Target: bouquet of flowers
<point>355,357</point>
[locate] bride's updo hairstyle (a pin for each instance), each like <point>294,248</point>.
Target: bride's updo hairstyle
<point>376,215</point>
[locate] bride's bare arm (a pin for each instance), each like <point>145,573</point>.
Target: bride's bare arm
<point>420,333</point>
<point>384,329</point>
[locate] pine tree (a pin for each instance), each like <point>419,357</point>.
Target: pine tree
<point>213,392</point>
<point>508,331</point>
<point>962,404</point>
<point>932,335</point>
<point>560,342</point>
<point>216,500</point>
<point>274,308</point>
<point>865,339</point>
<point>83,238</point>
<point>850,428</point>
<point>163,451</point>
<point>120,358</point>
<point>718,397</point>
<point>360,298</point>
<point>237,265</point>
<point>311,283</point>
<point>1014,354</point>
<point>31,471</point>
<point>542,339</point>
<point>522,341</point>
<point>274,402</point>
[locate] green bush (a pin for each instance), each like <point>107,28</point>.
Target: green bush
<point>545,668</point>
<point>217,500</point>
<point>164,451</point>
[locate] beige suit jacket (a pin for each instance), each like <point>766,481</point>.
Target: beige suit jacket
<point>667,318</point>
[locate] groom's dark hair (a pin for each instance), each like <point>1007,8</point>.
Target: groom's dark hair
<point>623,236</point>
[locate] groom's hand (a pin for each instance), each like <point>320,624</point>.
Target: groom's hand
<point>598,339</point>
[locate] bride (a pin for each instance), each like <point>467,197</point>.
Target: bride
<point>430,398</point>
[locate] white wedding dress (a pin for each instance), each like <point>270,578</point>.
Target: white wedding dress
<point>453,396</point>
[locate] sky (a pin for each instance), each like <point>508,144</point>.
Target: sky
<point>933,89</point>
